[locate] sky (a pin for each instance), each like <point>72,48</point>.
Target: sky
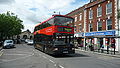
<point>34,11</point>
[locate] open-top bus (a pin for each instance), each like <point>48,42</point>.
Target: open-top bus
<point>55,35</point>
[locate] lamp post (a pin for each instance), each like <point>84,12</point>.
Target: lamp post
<point>56,13</point>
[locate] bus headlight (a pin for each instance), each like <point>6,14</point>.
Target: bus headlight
<point>55,49</point>
<point>73,48</point>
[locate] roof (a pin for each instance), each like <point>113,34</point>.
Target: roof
<point>51,18</point>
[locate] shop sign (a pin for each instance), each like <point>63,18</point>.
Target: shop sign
<point>80,34</point>
<point>75,35</point>
<point>100,33</point>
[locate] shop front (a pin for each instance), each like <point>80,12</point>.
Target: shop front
<point>102,40</point>
<point>79,39</point>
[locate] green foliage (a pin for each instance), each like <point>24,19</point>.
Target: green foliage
<point>10,25</point>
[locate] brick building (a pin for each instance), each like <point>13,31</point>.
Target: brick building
<point>99,23</point>
<point>118,8</point>
<point>78,16</point>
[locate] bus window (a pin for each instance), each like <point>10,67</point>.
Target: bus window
<point>51,22</point>
<point>62,21</point>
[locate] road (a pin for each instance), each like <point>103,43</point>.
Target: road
<point>25,56</point>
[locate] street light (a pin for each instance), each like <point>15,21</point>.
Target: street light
<point>56,13</point>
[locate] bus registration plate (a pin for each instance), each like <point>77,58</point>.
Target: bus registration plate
<point>65,52</point>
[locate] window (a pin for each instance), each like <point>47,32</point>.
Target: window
<point>109,24</point>
<point>109,8</point>
<point>64,29</point>
<point>80,27</point>
<point>75,29</point>
<point>50,22</point>
<point>80,17</point>
<point>90,27</point>
<point>75,19</point>
<point>99,11</point>
<point>63,21</point>
<point>99,26</point>
<point>90,14</point>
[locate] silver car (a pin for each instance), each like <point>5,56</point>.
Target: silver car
<point>8,44</point>
<point>30,42</point>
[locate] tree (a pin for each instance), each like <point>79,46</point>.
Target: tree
<point>10,25</point>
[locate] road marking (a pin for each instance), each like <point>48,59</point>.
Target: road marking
<point>23,52</point>
<point>61,66</point>
<point>51,61</point>
<point>55,65</point>
<point>17,58</point>
<point>15,54</point>
<point>2,50</point>
<point>1,53</point>
<point>44,57</point>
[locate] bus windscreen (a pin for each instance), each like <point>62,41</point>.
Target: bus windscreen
<point>63,21</point>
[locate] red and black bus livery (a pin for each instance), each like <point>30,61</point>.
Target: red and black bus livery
<point>55,35</point>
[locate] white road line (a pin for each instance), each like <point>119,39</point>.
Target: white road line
<point>1,53</point>
<point>17,58</point>
<point>44,57</point>
<point>2,50</point>
<point>61,66</point>
<point>22,52</point>
<point>55,65</point>
<point>51,61</point>
<point>15,54</point>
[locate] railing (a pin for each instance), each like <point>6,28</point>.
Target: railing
<point>97,48</point>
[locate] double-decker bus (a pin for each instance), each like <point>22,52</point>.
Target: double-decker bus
<point>55,35</point>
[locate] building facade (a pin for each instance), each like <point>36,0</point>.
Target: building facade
<point>100,24</point>
<point>78,16</point>
<point>118,8</point>
<point>26,35</point>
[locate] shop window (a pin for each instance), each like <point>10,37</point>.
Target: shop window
<point>80,27</point>
<point>99,26</point>
<point>99,11</point>
<point>109,24</point>
<point>109,8</point>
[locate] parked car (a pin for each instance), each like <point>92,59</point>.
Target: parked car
<point>26,41</point>
<point>30,42</point>
<point>8,44</point>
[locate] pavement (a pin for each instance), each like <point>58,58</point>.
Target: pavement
<point>117,55</point>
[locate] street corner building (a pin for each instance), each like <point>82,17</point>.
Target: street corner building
<point>97,23</point>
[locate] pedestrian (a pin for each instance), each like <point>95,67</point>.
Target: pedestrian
<point>102,48</point>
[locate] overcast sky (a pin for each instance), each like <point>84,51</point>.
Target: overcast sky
<point>34,11</point>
